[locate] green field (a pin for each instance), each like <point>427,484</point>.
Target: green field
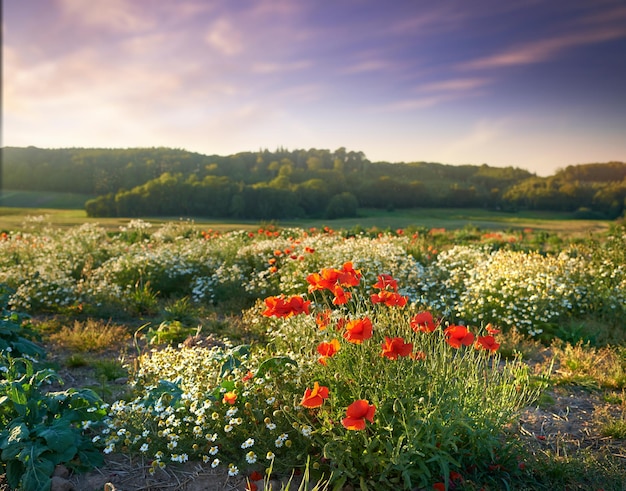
<point>13,218</point>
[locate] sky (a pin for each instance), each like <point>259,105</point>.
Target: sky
<point>535,84</point>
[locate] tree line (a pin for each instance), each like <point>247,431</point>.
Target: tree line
<point>300,183</point>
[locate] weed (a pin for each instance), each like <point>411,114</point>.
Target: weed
<point>90,336</point>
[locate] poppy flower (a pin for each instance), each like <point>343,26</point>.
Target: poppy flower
<point>341,296</point>
<point>229,398</point>
<point>358,330</point>
<point>487,343</point>
<point>256,476</point>
<point>356,414</point>
<point>439,486</point>
<point>492,330</point>
<point>457,336</point>
<point>394,347</point>
<point>286,307</point>
<point>423,322</point>
<point>322,319</point>
<point>384,281</point>
<point>250,486</point>
<point>314,397</point>
<point>391,299</point>
<point>324,280</point>
<point>328,350</point>
<point>348,276</point>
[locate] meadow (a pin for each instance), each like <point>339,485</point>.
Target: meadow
<point>442,351</point>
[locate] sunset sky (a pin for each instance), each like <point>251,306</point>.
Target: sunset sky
<point>536,84</point>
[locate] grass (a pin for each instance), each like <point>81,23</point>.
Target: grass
<point>90,336</point>
<point>12,218</point>
<point>553,464</point>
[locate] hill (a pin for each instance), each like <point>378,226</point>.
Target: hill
<point>299,183</point>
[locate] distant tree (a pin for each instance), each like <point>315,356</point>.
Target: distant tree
<point>342,205</point>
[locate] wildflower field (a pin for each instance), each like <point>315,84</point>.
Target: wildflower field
<point>360,359</point>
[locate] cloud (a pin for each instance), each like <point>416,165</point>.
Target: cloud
<point>483,137</point>
<point>115,15</point>
<point>412,104</point>
<point>454,85</point>
<point>544,49</point>
<point>372,65</point>
<point>273,67</point>
<point>436,93</point>
<point>225,38</point>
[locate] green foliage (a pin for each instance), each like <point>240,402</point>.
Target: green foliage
<point>14,332</point>
<point>287,184</point>
<point>170,332</point>
<point>41,429</point>
<point>342,205</point>
<point>440,410</point>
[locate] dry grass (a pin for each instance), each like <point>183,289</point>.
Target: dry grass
<point>91,335</point>
<point>584,365</point>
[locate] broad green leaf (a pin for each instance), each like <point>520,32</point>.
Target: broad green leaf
<point>37,475</point>
<point>59,435</point>
<point>17,393</point>
<point>89,457</point>
<point>14,472</point>
<point>277,362</point>
<point>13,434</point>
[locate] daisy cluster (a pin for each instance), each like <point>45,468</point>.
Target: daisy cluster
<point>53,270</point>
<point>204,404</point>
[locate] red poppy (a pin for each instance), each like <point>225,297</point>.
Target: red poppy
<point>341,296</point>
<point>286,307</point>
<point>439,486</point>
<point>356,414</point>
<point>329,349</point>
<point>394,347</point>
<point>256,476</point>
<point>358,330</point>
<point>323,319</point>
<point>384,281</point>
<point>348,276</point>
<point>423,322</point>
<point>458,335</point>
<point>487,343</point>
<point>314,397</point>
<point>229,398</point>
<point>492,330</point>
<point>324,280</point>
<point>391,299</point>
<point>455,476</point>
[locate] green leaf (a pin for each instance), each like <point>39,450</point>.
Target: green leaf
<point>14,472</point>
<point>14,434</point>
<point>339,483</point>
<point>37,475</point>
<point>275,363</point>
<point>17,393</point>
<point>89,457</point>
<point>233,359</point>
<point>59,435</point>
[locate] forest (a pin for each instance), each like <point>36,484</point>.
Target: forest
<point>313,183</point>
